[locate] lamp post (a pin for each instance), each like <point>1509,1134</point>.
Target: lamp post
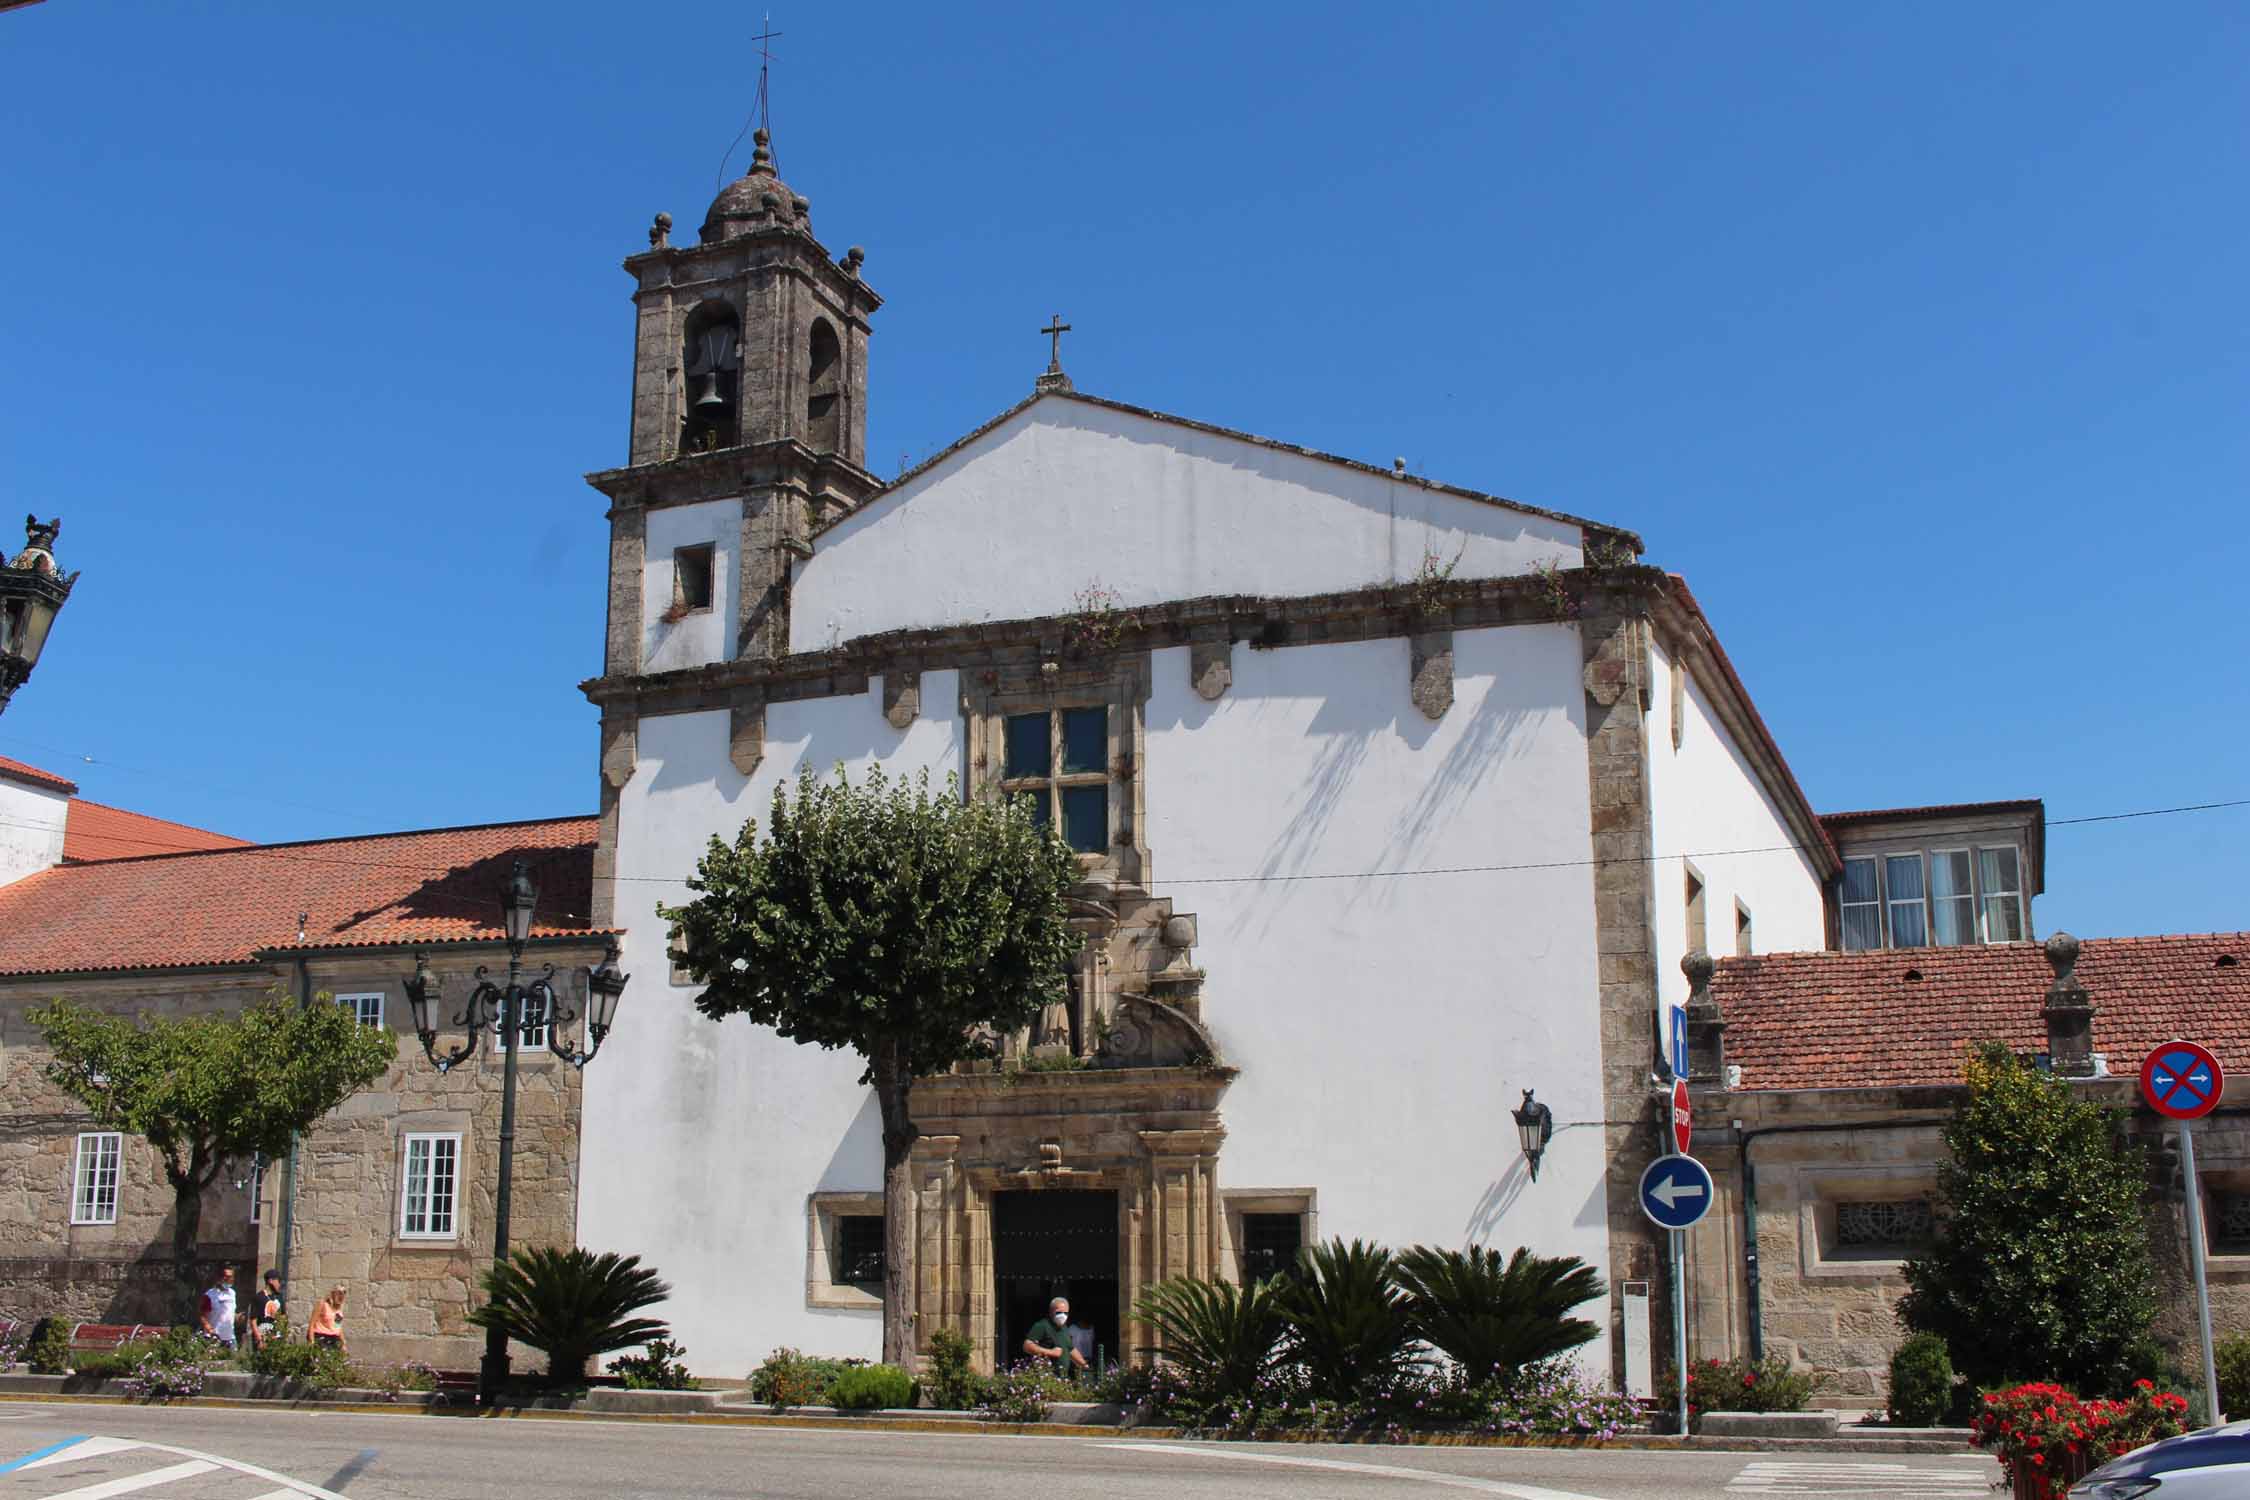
<point>32,592</point>
<point>1535,1123</point>
<point>503,1008</point>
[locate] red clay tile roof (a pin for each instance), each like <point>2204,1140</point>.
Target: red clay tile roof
<point>95,831</point>
<point>225,906</point>
<point>1855,1020</point>
<point>35,776</point>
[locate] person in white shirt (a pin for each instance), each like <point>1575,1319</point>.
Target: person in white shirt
<point>218,1308</point>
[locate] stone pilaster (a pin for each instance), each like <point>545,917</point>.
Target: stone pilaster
<point>628,549</point>
<point>1613,636</point>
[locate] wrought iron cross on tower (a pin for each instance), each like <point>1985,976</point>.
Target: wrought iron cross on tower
<point>1054,379</point>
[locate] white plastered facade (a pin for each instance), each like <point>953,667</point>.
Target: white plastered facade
<point>32,820</point>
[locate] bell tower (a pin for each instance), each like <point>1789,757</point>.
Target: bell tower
<point>749,385</point>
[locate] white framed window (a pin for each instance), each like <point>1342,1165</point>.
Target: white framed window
<point>534,1037</point>
<point>93,1199</point>
<point>430,1187</point>
<point>1861,906</point>
<point>2000,882</point>
<point>366,1008</point>
<point>1953,898</point>
<point>1903,895</point>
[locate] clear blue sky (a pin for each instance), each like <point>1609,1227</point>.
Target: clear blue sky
<point>1913,335</point>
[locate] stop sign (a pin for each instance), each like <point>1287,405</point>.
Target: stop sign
<point>1680,1119</point>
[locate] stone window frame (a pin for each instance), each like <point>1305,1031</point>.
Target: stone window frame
<point>822,1211</point>
<point>455,1231</point>
<point>2211,1182</point>
<point>1818,1193</point>
<point>1745,936</point>
<point>696,559</point>
<point>1046,682</point>
<point>85,1189</point>
<point>1696,895</point>
<point>1237,1203</point>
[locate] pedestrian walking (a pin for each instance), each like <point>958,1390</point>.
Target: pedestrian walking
<point>267,1309</point>
<point>328,1319</point>
<point>218,1308</point>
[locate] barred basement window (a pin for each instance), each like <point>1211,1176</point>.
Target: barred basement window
<point>859,1249</point>
<point>1884,1224</point>
<point>1270,1243</point>
<point>2230,1223</point>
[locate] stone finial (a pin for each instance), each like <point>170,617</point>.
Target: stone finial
<point>1179,931</point>
<point>660,233</point>
<point>1398,467</point>
<point>854,258</point>
<point>2068,1012</point>
<point>761,156</point>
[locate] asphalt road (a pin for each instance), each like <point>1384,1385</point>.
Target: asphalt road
<point>227,1454</point>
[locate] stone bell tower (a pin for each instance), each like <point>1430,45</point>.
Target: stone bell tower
<point>749,382</point>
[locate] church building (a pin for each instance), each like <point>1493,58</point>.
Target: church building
<point>1389,797</point>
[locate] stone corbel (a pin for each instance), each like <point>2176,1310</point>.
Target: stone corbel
<point>1432,684</point>
<point>1211,668</point>
<point>746,732</point>
<point>902,697</point>
<point>621,740</point>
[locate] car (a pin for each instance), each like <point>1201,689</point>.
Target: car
<point>2213,1464</point>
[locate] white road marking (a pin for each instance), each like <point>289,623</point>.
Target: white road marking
<point>132,1482</point>
<point>1385,1471</point>
<point>198,1463</point>
<point>1839,1477</point>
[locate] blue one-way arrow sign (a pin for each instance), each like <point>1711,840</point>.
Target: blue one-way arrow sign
<point>1676,1191</point>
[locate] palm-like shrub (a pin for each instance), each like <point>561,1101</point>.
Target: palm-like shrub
<point>1222,1337</point>
<point>1350,1328</point>
<point>1493,1317</point>
<point>573,1304</point>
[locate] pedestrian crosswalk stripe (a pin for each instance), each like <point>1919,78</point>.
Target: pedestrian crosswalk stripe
<point>39,1455</point>
<point>76,1449</point>
<point>132,1482</point>
<point>1839,1477</point>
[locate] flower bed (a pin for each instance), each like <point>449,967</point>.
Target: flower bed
<point>2047,1439</point>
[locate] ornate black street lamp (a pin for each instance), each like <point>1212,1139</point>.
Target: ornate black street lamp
<point>1535,1122</point>
<point>515,1010</point>
<point>32,592</point>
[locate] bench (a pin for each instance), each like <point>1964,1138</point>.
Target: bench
<point>104,1338</point>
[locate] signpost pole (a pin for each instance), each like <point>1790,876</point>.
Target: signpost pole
<point>2195,1257</point>
<point>1679,1323</point>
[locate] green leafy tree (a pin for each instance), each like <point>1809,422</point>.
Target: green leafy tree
<point>204,1090</point>
<point>905,925</point>
<point>573,1304</point>
<point>2041,1268</point>
<point>1493,1316</point>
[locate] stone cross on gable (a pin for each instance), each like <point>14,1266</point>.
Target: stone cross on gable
<point>1054,379</point>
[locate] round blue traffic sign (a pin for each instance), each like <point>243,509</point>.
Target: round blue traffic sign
<point>2182,1081</point>
<point>1676,1191</point>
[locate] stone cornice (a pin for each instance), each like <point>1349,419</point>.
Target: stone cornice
<point>674,258</point>
<point>726,473</point>
<point>1064,1087</point>
<point>1376,612</point>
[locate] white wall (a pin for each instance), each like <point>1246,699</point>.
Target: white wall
<point>1152,511</point>
<point>706,635</point>
<point>1386,1026</point>
<point>1705,798</point>
<point>31,829</point>
<point>702,1139</point>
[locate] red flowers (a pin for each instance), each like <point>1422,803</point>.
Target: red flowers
<point>2050,1438</point>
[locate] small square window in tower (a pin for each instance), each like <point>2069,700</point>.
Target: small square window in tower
<point>691,579</point>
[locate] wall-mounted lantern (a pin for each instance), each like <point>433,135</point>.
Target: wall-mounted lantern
<point>1535,1122</point>
<point>32,592</point>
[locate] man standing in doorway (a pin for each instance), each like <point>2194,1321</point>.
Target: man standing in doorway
<point>1053,1339</point>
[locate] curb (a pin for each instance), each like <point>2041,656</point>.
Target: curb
<point>1629,1442</point>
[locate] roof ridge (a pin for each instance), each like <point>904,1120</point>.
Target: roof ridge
<point>249,847</point>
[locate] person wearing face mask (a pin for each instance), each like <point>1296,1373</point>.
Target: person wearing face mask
<point>1053,1339</point>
